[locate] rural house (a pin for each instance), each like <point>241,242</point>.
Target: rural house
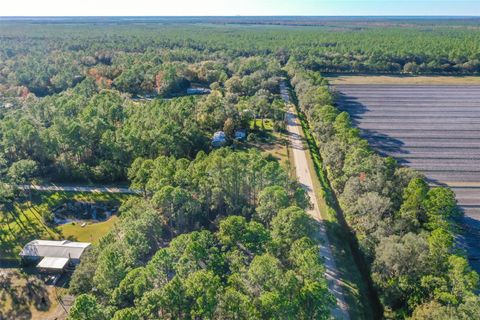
<point>198,91</point>
<point>240,134</point>
<point>53,256</point>
<point>219,139</point>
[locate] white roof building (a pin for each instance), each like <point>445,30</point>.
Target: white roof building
<point>219,139</point>
<point>198,90</point>
<point>54,249</point>
<point>54,255</point>
<point>48,263</point>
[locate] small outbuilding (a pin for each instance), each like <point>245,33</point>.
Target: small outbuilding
<point>53,256</point>
<point>240,134</point>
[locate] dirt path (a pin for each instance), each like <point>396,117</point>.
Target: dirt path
<point>93,189</point>
<point>304,177</point>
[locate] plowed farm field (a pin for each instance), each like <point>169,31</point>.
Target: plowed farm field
<point>432,128</point>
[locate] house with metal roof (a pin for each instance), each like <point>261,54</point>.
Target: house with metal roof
<point>240,134</point>
<point>53,256</point>
<point>198,90</point>
<point>219,139</point>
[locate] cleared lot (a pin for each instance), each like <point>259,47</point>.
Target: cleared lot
<point>347,79</point>
<point>432,128</point>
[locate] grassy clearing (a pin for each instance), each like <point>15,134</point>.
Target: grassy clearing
<point>261,124</point>
<point>92,232</point>
<point>335,79</point>
<point>354,285</point>
<point>21,225</point>
<point>25,221</point>
<point>270,142</point>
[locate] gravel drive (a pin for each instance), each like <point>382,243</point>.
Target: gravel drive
<point>340,311</point>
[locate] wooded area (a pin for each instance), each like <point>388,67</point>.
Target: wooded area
<point>223,233</point>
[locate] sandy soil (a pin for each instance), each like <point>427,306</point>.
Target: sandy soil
<point>380,79</point>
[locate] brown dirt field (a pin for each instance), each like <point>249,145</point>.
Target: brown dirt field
<point>387,79</point>
<point>16,284</point>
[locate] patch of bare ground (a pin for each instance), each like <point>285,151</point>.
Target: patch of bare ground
<point>336,79</point>
<point>26,296</point>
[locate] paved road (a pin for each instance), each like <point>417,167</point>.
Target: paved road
<point>303,173</point>
<point>93,189</point>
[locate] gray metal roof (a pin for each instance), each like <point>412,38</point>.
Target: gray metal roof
<point>54,249</point>
<point>52,263</point>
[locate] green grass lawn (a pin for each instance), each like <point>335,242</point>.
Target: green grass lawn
<point>266,125</point>
<point>24,222</point>
<point>21,225</point>
<point>92,232</point>
<point>269,141</point>
<point>349,79</point>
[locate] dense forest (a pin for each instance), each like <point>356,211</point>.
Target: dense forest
<point>69,88</point>
<point>224,234</point>
<point>146,58</point>
<point>94,131</point>
<point>255,258</point>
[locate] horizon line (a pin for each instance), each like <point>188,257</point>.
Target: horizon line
<point>244,16</point>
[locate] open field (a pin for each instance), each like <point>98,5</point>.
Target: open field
<point>269,141</point>
<point>432,128</point>
<point>92,232</point>
<point>339,79</point>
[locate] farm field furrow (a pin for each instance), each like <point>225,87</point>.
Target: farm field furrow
<point>414,107</point>
<point>441,154</point>
<point>432,128</point>
<point>400,114</point>
<point>427,142</point>
<point>418,126</point>
<point>420,120</point>
<point>425,99</point>
<point>401,134</point>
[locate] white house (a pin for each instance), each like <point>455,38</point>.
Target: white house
<point>219,139</point>
<point>198,91</point>
<point>53,256</point>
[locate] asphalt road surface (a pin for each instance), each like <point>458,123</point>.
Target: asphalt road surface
<point>305,179</point>
<point>432,128</point>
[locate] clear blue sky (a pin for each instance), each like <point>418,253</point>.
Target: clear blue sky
<point>238,7</point>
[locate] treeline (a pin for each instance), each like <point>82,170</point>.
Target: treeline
<point>404,228</point>
<point>163,58</point>
<point>411,50</point>
<point>224,236</point>
<point>152,61</point>
<point>92,133</point>
<point>82,135</point>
